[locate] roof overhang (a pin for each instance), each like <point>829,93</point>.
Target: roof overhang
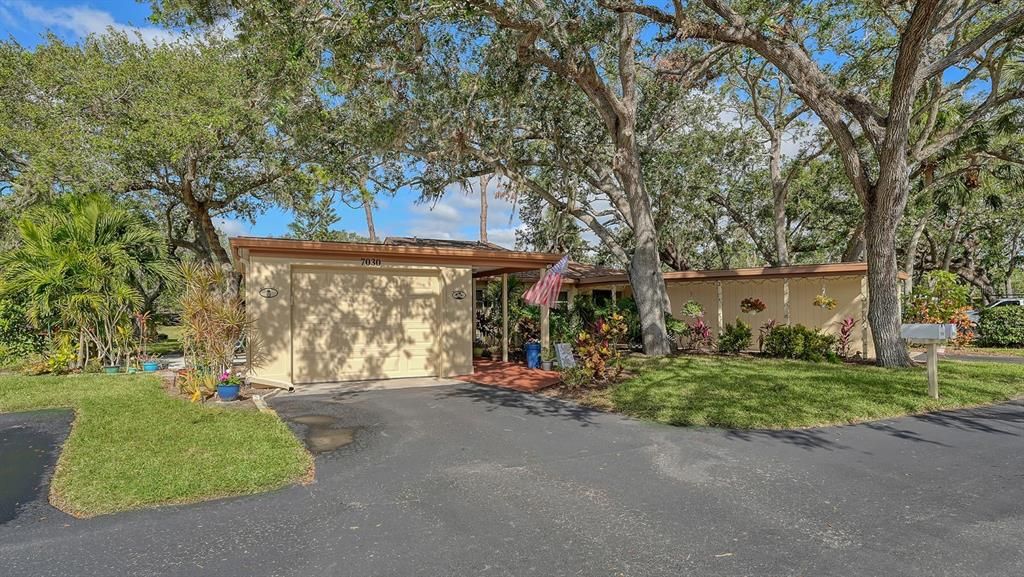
<point>481,260</point>
<point>753,273</point>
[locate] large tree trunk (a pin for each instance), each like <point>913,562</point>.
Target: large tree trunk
<point>779,224</point>
<point>881,221</point>
<point>645,265</point>
<point>484,181</point>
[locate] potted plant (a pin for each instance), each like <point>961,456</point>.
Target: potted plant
<point>547,359</point>
<point>478,349</point>
<point>149,364</point>
<point>228,386</point>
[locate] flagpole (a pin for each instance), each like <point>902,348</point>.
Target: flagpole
<point>545,321</point>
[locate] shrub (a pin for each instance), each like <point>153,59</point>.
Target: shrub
<point>17,339</point>
<point>674,327</point>
<point>599,355</point>
<point>1002,327</point>
<point>800,342</point>
<point>699,335</point>
<point>735,338</point>
<point>213,320</point>
<point>766,328</point>
<point>941,298</point>
<point>935,299</point>
<point>576,378</point>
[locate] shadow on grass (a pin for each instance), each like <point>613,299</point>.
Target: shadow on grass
<point>533,405</point>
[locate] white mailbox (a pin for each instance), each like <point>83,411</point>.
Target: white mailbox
<point>928,333</point>
<point>932,335</point>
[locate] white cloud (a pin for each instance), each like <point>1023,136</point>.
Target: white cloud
<point>231,227</point>
<point>83,21</point>
<point>456,216</point>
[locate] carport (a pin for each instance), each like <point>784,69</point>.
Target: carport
<point>340,311</point>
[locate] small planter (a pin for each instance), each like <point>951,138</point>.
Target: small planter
<point>111,369</point>
<point>151,366</point>
<point>228,392</point>
<point>478,352</point>
<point>546,365</point>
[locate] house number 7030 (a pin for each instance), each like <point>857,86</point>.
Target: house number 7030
<point>371,262</point>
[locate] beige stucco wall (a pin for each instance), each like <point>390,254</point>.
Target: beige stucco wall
<point>272,318</point>
<point>847,290</point>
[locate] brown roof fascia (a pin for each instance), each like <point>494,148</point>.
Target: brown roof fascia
<point>809,270</point>
<point>319,249</point>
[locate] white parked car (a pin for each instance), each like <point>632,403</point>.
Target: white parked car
<point>975,315</point>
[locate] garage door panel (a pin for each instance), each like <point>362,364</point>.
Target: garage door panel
<point>359,325</point>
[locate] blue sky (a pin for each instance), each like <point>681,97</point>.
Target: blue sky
<point>456,216</point>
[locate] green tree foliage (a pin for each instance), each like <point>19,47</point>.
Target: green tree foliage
<point>185,130</point>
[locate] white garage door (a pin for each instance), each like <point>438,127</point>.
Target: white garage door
<point>353,325</point>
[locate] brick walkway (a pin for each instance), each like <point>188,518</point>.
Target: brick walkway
<point>513,376</point>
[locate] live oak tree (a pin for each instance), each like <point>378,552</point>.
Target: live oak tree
<point>181,129</point>
<point>403,63</point>
<point>876,75</point>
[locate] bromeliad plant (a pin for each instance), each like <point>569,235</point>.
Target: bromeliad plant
<point>845,337</point>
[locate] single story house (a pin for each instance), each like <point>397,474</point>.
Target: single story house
<point>338,311</point>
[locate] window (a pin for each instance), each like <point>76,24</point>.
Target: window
<point>601,297</point>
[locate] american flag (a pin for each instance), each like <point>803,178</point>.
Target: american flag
<point>545,291</point>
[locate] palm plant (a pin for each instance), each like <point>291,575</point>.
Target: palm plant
<point>77,266</point>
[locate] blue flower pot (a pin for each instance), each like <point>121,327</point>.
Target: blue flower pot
<point>150,366</point>
<point>111,370</point>
<point>228,392</point>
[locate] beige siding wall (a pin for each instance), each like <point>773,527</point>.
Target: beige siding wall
<point>272,318</point>
<point>847,290</point>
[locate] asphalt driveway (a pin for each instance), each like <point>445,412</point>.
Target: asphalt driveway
<point>467,480</point>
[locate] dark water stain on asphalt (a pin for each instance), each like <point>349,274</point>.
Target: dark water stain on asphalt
<point>29,446</point>
<point>322,433</point>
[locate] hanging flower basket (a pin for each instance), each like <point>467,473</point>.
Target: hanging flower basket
<point>826,302</point>
<point>752,305</point>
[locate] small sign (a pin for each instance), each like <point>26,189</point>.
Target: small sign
<point>268,292</point>
<point>565,358</point>
<point>458,294</point>
<point>371,261</point>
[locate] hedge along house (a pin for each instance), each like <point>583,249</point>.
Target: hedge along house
<point>788,294</point>
<point>337,311</point>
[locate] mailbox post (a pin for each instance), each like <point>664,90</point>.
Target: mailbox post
<point>931,335</point>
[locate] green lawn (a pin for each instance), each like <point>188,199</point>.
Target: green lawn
<point>132,445</point>
<point>752,393</point>
<point>1006,352</point>
<point>171,345</point>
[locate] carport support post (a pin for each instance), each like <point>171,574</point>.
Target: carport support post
<point>545,323</point>
<point>504,317</point>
